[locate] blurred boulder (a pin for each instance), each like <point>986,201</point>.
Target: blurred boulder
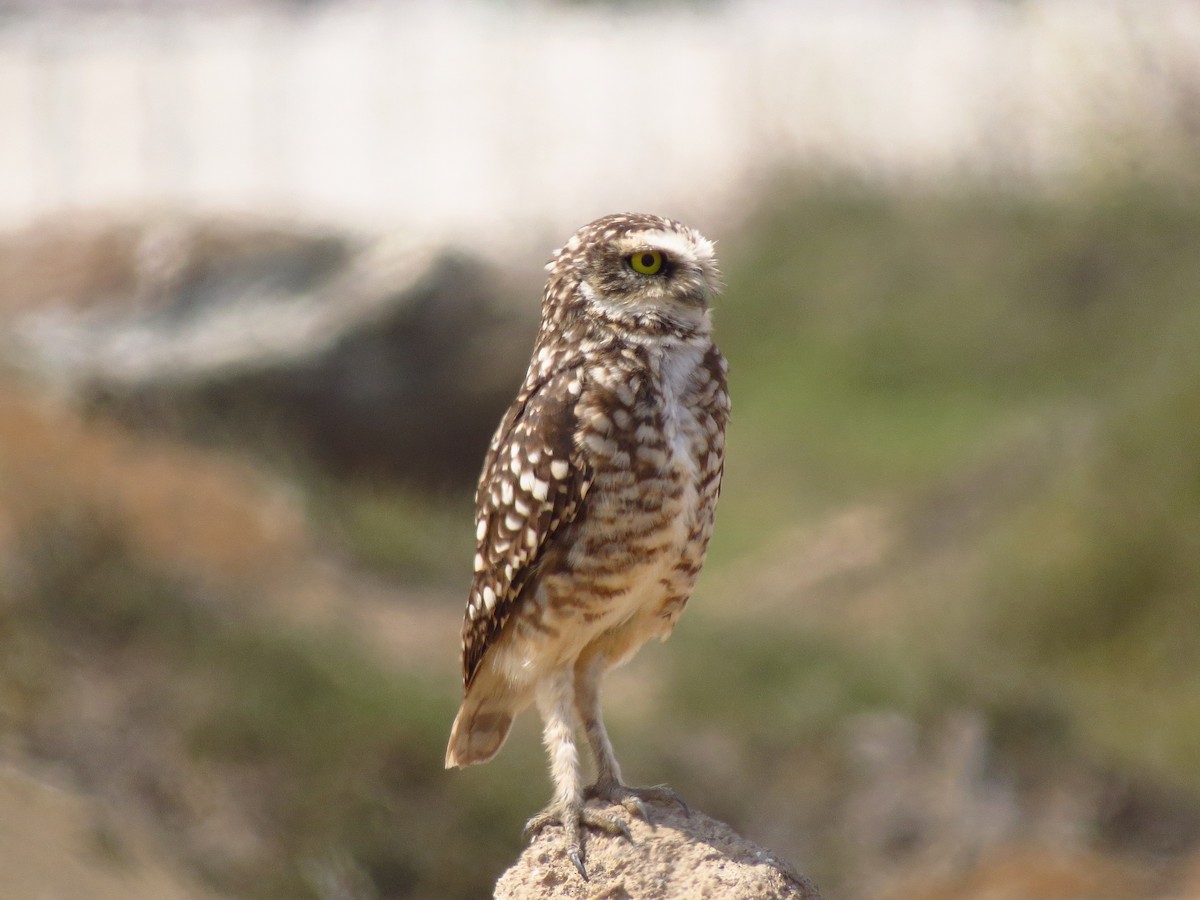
<point>387,356</point>
<point>676,856</point>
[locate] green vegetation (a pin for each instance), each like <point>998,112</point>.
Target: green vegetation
<point>778,689</point>
<point>884,346</point>
<point>878,340</point>
<point>397,530</point>
<point>1097,585</point>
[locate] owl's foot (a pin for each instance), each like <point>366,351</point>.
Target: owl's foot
<point>634,799</point>
<point>574,818</point>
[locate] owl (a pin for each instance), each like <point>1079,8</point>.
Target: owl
<point>595,506</point>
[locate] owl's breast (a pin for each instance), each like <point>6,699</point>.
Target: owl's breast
<point>650,431</point>
<point>644,429</point>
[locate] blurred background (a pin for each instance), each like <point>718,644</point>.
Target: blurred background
<point>270,273</point>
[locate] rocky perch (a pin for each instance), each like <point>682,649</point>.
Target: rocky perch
<point>676,856</point>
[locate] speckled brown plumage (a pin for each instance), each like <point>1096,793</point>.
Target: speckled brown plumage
<point>596,502</point>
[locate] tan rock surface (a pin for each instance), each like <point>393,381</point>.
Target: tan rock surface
<point>676,856</point>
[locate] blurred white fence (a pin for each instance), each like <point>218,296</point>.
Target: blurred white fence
<point>489,118</point>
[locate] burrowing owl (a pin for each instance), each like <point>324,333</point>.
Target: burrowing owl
<point>596,502</point>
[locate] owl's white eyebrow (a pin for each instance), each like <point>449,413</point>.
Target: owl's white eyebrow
<point>672,243</point>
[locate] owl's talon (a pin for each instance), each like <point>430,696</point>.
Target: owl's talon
<point>664,794</point>
<point>606,822</point>
<point>634,799</point>
<point>578,860</point>
<point>535,825</point>
<point>574,819</point>
<point>625,832</point>
<point>636,807</point>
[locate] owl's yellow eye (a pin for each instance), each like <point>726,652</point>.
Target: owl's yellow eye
<point>647,262</point>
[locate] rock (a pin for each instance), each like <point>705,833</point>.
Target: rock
<point>387,356</point>
<point>677,856</point>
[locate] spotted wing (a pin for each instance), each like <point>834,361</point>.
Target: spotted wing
<point>534,481</point>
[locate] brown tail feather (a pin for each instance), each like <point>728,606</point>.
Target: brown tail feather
<point>479,731</point>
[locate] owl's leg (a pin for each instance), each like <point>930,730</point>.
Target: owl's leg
<point>608,786</point>
<point>554,700</point>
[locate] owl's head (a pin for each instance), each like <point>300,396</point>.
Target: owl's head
<point>638,271</point>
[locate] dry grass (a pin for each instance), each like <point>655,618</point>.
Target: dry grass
<point>202,513</point>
